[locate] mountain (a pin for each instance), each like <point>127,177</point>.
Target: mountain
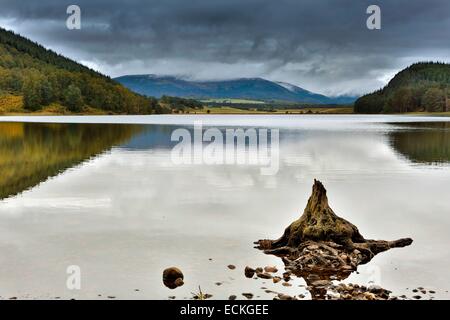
<point>423,86</point>
<point>33,78</point>
<point>243,88</point>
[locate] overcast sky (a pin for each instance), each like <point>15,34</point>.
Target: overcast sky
<point>323,46</point>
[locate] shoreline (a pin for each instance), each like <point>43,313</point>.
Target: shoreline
<point>257,113</point>
<point>237,120</point>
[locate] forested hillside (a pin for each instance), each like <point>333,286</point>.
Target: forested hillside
<point>32,77</point>
<point>420,87</point>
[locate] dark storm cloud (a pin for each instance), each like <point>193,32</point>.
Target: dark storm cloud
<point>321,45</point>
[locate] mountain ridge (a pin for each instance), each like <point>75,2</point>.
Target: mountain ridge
<point>238,88</point>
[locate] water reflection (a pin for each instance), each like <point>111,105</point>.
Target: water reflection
<point>132,212</point>
<point>423,142</point>
<point>32,152</point>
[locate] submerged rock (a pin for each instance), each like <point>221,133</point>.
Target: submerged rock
<point>321,242</point>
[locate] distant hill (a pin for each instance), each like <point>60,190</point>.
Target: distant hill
<point>244,88</point>
<point>421,87</point>
<point>33,78</point>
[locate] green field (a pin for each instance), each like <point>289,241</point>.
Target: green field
<point>313,110</point>
<point>233,101</point>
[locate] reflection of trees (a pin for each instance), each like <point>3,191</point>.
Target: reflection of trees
<point>423,142</point>
<point>31,152</point>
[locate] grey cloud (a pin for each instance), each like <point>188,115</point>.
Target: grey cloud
<point>323,46</point>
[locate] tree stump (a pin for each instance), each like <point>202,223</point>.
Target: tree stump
<point>322,242</point>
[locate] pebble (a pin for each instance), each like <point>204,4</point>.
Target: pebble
<point>249,272</point>
<point>375,289</point>
<point>231,267</point>
<point>270,269</point>
<point>232,297</point>
<point>320,283</point>
<point>369,296</point>
<point>417,297</point>
<point>173,278</point>
<point>264,275</point>
<point>276,279</point>
<point>287,284</point>
<point>285,297</point>
<point>248,295</point>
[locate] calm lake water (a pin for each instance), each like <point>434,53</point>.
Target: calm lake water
<point>103,193</point>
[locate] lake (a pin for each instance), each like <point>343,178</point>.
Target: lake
<point>104,194</point>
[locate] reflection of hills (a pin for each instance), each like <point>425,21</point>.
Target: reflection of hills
<point>154,137</point>
<point>31,152</point>
<point>423,142</point>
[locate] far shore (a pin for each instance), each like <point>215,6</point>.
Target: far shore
<point>59,111</point>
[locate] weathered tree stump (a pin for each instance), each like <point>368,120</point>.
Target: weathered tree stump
<point>321,242</point>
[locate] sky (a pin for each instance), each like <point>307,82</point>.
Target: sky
<point>323,46</point>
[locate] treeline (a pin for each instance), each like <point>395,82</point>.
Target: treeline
<point>270,106</point>
<point>180,104</point>
<point>44,77</point>
<point>420,87</point>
